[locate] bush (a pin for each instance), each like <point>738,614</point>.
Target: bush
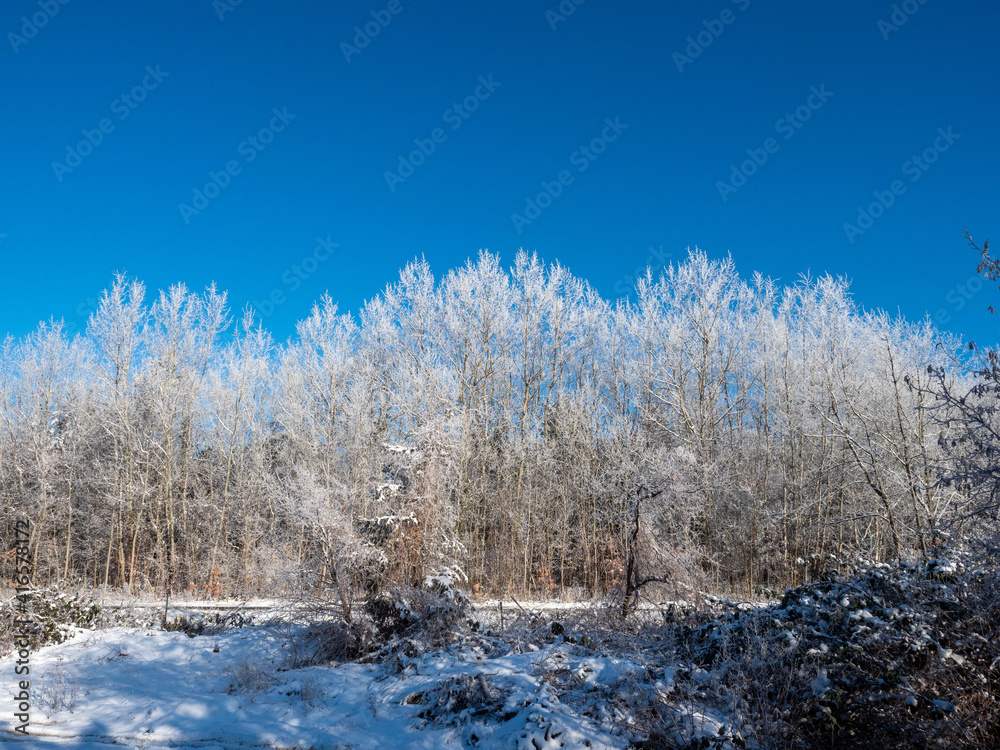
<point>325,641</point>
<point>894,656</point>
<point>401,619</point>
<point>219,622</point>
<point>248,678</point>
<point>56,615</point>
<point>430,614</point>
<point>183,624</point>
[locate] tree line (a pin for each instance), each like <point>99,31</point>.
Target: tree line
<point>507,424</point>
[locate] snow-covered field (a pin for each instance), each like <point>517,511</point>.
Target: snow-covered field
<point>149,688</point>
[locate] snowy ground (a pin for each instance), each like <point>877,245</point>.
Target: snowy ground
<point>149,688</point>
<point>889,656</point>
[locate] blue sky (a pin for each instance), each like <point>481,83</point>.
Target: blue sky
<point>202,80</point>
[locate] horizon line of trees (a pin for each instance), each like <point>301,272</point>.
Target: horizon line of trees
<point>509,425</point>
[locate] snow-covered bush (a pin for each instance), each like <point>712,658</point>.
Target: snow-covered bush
<point>192,626</point>
<point>327,639</point>
<point>420,618</point>
<point>56,692</point>
<point>398,619</point>
<point>903,655</point>
<point>208,624</point>
<point>56,614</point>
<point>461,697</point>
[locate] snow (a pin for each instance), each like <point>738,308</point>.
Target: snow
<point>556,675</point>
<point>149,688</point>
<point>821,684</point>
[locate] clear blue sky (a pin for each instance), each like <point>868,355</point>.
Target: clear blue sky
<point>656,184</point>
